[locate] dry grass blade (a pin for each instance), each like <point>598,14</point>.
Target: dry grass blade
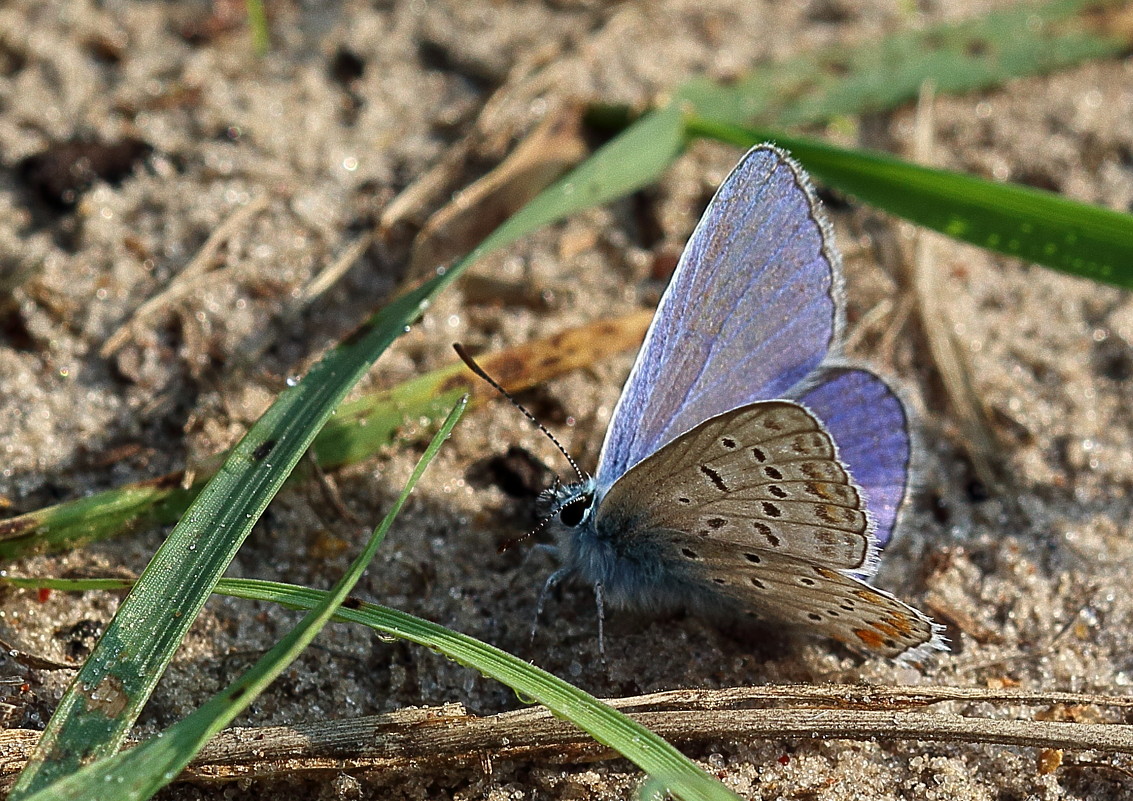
<point>473,213</point>
<point>979,441</point>
<point>189,278</point>
<point>420,740</point>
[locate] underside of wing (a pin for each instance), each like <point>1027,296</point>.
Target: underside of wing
<point>763,478</point>
<point>772,589</point>
<point>753,511</point>
<point>751,310</point>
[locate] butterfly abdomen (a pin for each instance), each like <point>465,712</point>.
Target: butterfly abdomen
<point>636,573</point>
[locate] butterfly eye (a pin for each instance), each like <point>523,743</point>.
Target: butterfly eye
<point>573,513</point>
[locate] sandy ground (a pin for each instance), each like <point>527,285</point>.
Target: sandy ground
<point>1033,582</point>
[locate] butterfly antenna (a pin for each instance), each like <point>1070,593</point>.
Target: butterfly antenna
<point>478,370</point>
<point>542,524</point>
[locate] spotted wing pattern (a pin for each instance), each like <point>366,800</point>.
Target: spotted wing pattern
<point>764,477</point>
<point>868,422</point>
<point>772,588</point>
<point>755,506</point>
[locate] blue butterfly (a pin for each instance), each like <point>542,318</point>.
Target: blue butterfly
<point>746,468</point>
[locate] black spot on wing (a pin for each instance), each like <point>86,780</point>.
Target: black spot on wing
<point>768,534</point>
<point>714,477</point>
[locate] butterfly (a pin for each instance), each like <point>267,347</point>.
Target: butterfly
<point>747,468</point>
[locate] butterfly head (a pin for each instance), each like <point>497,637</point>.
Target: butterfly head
<point>567,507</point>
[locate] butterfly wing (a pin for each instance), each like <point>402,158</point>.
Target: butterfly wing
<point>867,420</point>
<point>763,478</point>
<point>817,598</point>
<point>754,507</point>
<point>751,310</point>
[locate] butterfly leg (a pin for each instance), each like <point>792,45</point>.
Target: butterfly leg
<point>552,581</point>
<point>600,602</point>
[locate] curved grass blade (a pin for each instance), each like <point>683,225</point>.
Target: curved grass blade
<point>141,771</point>
<point>358,430</point>
<point>608,726</point>
<point>1027,39</point>
<point>815,86</point>
<point>104,699</point>
<point>612,728</point>
<point>1048,229</point>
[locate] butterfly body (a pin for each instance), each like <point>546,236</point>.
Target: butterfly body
<point>746,467</point>
<point>632,573</point>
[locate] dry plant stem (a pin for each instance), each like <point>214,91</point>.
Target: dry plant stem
<point>935,322</point>
<point>32,661</point>
<point>412,200</point>
<point>475,211</point>
<point>187,280</point>
<point>887,345</point>
<point>536,76</point>
<point>865,696</point>
<point>329,489</point>
<point>334,271</point>
<point>419,740</point>
<point>865,325</point>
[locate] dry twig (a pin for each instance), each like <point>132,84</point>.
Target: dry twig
<point>193,276</point>
<point>420,740</point>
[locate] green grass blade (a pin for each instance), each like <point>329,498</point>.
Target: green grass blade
<point>141,771</point>
<point>648,751</point>
<point>67,585</point>
<point>1048,229</point>
<point>104,699</point>
<point>106,696</point>
<point>632,160</point>
<point>358,430</point>
<point>979,54</point>
<point>114,512</point>
<point>361,428</point>
<point>258,25</point>
<point>1026,39</point>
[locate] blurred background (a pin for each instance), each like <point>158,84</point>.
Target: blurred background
<point>197,199</point>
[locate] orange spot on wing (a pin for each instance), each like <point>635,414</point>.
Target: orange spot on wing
<point>819,490</point>
<point>870,638</point>
<point>885,628</point>
<point>901,623</point>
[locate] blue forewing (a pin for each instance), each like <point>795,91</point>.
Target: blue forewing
<point>750,312</point>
